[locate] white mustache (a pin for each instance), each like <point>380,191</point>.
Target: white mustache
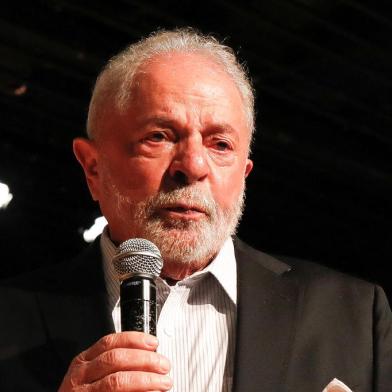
<point>191,197</point>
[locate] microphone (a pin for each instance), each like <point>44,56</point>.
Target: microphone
<point>138,263</point>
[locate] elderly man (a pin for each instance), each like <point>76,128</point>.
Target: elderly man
<point>170,125</point>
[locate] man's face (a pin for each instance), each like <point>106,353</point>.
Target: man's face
<point>171,169</point>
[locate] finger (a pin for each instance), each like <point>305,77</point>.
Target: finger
<point>132,382</point>
<point>137,340</point>
<point>122,359</point>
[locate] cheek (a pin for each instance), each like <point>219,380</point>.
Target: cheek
<point>137,177</point>
<point>227,187</point>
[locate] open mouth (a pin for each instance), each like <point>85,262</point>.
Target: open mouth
<point>183,210</point>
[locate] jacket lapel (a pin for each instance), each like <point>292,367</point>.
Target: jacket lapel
<point>267,298</point>
<point>74,304</point>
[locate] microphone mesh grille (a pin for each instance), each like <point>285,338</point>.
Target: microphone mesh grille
<point>137,256</point>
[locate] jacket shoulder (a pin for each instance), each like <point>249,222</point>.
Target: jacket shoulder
<point>310,277</point>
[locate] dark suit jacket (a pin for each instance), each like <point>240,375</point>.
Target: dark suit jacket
<point>299,325</point>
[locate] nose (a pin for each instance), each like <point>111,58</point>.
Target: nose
<point>190,163</point>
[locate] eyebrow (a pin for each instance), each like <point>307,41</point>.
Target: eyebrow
<point>161,120</point>
<point>170,122</point>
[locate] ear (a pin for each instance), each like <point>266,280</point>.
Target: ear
<point>86,153</point>
<point>248,167</point>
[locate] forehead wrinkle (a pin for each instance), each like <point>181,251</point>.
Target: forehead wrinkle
<point>202,66</point>
<point>190,101</point>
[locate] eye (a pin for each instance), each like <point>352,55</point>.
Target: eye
<point>156,137</point>
<point>222,145</point>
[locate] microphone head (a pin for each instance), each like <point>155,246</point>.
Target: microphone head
<point>137,256</point>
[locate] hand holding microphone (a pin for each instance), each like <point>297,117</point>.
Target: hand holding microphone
<point>127,361</point>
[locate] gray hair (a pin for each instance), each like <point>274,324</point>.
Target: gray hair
<point>114,83</point>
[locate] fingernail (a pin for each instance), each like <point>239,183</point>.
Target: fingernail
<point>151,341</point>
<point>166,381</point>
<point>164,364</point>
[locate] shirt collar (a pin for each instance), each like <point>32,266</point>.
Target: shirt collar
<point>223,268</point>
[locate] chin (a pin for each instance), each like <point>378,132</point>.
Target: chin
<point>194,245</point>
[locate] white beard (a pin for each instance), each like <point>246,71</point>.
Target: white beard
<point>182,242</point>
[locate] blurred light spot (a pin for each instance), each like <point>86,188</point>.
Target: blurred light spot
<point>5,195</point>
<point>95,230</point>
<point>22,89</point>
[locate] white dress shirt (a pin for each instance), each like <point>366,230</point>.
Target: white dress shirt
<point>196,323</point>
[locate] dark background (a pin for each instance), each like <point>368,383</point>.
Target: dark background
<point>322,184</point>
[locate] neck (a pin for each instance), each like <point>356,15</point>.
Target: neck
<point>172,272</point>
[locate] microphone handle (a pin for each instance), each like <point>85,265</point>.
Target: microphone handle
<point>138,305</point>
